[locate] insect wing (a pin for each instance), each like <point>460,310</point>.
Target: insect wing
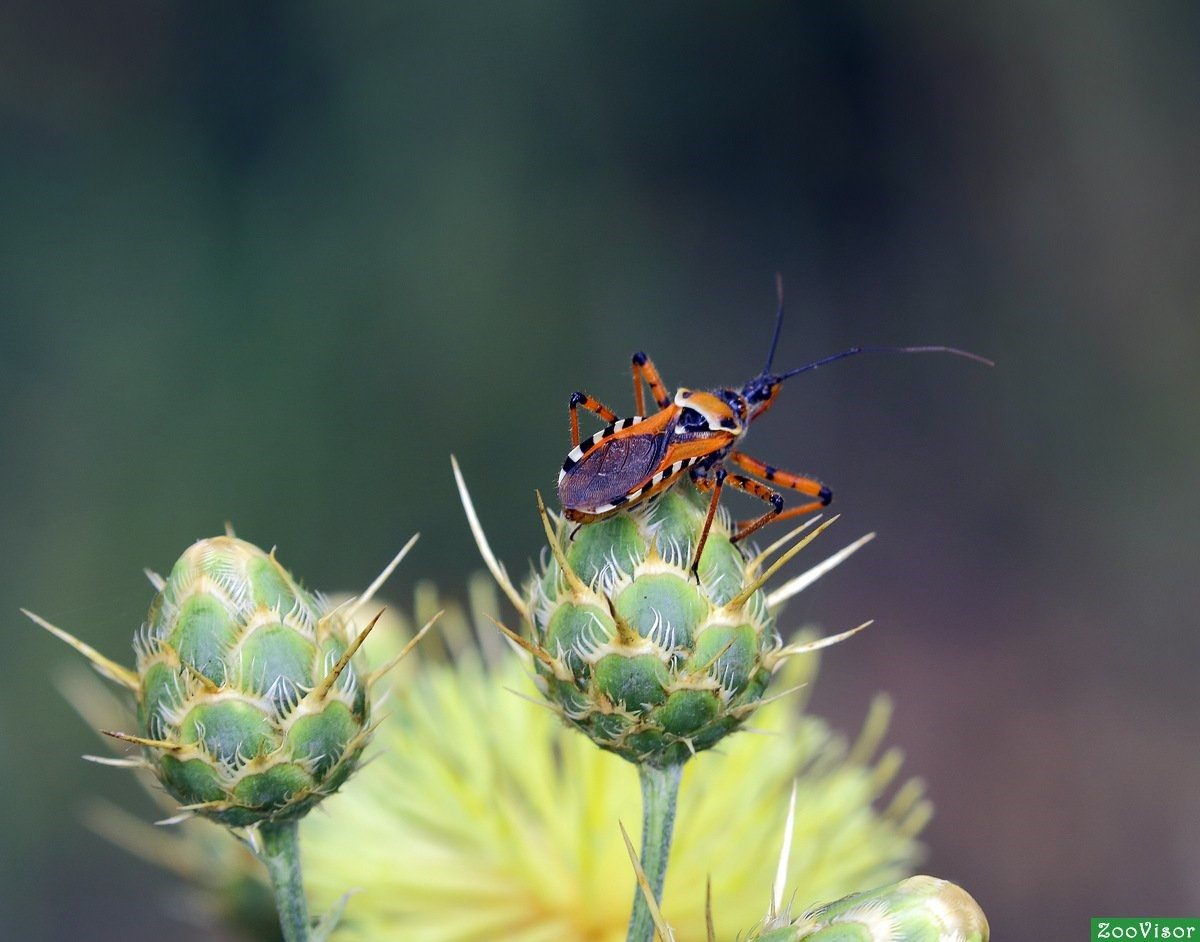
<point>612,470</point>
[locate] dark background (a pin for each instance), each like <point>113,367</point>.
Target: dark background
<point>273,262</point>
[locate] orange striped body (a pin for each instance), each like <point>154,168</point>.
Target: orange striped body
<point>635,459</point>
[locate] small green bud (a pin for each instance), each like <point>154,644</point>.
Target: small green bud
<point>250,708</point>
<point>651,659</point>
<point>249,704</point>
<point>919,909</point>
<point>248,701</point>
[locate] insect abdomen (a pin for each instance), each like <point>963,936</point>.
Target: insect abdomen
<point>604,478</point>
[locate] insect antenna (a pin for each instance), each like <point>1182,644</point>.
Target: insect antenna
<point>856,350</point>
<point>778,324</point>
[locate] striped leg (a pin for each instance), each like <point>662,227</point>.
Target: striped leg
<point>643,369</point>
<point>787,479</point>
<point>592,405</point>
<point>714,485</point>
<point>762,492</point>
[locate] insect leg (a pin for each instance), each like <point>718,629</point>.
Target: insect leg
<point>762,492</point>
<point>745,528</point>
<point>592,405</point>
<point>644,369</point>
<point>795,482</point>
<point>714,485</point>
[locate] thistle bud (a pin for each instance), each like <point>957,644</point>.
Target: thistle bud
<point>249,702</point>
<point>919,909</point>
<point>250,707</point>
<point>651,658</point>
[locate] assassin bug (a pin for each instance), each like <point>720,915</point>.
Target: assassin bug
<point>635,459</point>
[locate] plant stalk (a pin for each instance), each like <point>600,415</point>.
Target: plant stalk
<point>660,788</point>
<point>281,854</point>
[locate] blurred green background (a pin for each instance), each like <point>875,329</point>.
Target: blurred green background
<point>273,262</point>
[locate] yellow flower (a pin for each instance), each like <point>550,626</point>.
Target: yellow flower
<point>484,818</point>
<point>481,817</point>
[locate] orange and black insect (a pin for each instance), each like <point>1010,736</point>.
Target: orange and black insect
<point>635,459</point>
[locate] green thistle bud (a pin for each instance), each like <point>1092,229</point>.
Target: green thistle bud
<point>653,651</point>
<point>919,909</point>
<point>648,659</point>
<point>249,702</point>
<point>250,707</point>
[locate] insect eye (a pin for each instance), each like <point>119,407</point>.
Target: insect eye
<point>691,420</point>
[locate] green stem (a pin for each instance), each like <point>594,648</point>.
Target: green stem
<point>281,854</point>
<point>660,788</point>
